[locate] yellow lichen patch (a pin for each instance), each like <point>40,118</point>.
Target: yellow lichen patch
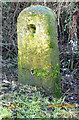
<point>33,5</point>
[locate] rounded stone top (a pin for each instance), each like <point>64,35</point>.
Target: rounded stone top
<point>39,9</point>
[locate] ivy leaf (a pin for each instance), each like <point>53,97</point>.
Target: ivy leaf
<point>73,4</point>
<point>38,74</point>
<point>68,12</point>
<point>43,74</point>
<point>65,21</point>
<point>53,115</point>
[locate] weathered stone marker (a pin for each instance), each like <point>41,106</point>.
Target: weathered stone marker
<point>38,54</point>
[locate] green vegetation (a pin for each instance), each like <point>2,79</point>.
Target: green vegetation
<point>51,44</point>
<point>25,101</point>
<point>46,73</point>
<point>48,31</point>
<point>5,113</point>
<point>32,14</point>
<point>40,72</point>
<point>56,72</point>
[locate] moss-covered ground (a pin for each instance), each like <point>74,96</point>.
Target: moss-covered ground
<point>25,101</point>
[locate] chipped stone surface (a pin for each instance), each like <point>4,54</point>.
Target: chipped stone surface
<point>38,54</point>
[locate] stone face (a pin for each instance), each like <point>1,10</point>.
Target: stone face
<point>38,54</point>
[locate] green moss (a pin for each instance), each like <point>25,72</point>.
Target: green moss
<point>56,72</point>
<point>40,72</point>
<point>57,90</point>
<point>57,87</point>
<point>32,34</point>
<point>45,73</point>
<point>51,44</point>
<point>32,14</point>
<point>48,31</point>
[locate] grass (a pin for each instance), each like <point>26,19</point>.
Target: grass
<point>4,113</point>
<point>25,101</point>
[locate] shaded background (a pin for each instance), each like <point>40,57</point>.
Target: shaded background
<point>67,18</point>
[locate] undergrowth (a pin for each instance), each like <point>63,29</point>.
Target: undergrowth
<point>25,101</point>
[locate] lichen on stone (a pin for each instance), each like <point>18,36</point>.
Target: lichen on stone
<point>38,47</point>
